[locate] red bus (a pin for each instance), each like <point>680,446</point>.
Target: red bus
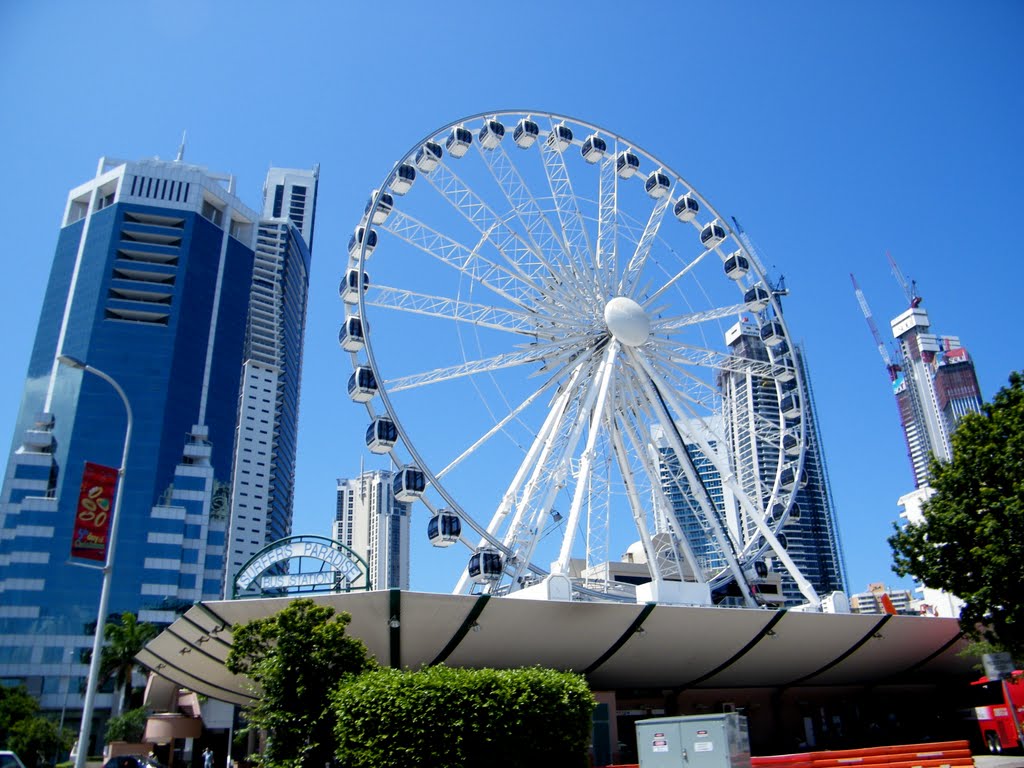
<point>995,720</point>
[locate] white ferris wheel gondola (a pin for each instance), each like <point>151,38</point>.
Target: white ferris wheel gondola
<point>381,435</point>
<point>349,289</point>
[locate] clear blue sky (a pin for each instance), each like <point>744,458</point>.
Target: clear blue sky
<point>834,132</point>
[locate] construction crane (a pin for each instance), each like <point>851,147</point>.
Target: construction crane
<point>909,289</point>
<point>778,288</point>
<point>892,368</point>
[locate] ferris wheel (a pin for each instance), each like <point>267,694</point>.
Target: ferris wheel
<point>568,354</point>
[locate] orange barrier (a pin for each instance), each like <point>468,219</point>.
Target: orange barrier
<point>944,754</point>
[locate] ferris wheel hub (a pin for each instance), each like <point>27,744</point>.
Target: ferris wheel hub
<point>627,321</point>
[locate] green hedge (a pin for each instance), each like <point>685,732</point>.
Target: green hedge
<point>443,717</point>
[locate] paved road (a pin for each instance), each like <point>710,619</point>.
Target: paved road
<point>1003,761</point>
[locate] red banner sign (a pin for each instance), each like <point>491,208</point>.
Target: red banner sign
<point>95,505</point>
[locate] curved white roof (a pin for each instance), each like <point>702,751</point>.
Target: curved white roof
<point>616,645</point>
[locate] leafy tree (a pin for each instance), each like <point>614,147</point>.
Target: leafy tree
<point>15,705</point>
<point>124,639</point>
<point>971,541</point>
<point>37,739</point>
<point>296,658</point>
<point>32,737</point>
<point>129,726</point>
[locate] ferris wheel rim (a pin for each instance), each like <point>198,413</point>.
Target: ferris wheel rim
<point>392,412</point>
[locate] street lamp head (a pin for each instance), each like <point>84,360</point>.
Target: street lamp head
<point>71,362</point>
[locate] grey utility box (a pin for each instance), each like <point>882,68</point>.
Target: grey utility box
<point>694,741</point>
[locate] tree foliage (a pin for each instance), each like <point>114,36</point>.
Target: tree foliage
<point>35,739</point>
<point>124,642</point>
<point>971,541</point>
<point>446,718</point>
<point>15,705</point>
<point>124,639</point>
<point>129,726</point>
<point>296,658</point>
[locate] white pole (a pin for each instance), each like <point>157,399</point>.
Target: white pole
<point>101,616</point>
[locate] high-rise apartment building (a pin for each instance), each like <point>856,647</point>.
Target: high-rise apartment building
<point>811,533</point>
<point>935,387</point>
<point>262,491</point>
<point>374,525</point>
<point>150,284</point>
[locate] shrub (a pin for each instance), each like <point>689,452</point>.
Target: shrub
<point>441,717</point>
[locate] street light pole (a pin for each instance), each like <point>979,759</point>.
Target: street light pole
<point>101,616</point>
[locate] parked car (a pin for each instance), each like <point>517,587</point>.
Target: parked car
<point>131,761</point>
<point>10,760</point>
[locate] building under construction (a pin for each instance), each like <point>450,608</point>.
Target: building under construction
<point>933,380</point>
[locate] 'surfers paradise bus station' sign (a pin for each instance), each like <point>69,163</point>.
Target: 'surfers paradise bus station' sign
<point>300,565</point>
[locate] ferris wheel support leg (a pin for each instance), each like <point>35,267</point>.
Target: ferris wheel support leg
<point>799,579</point>
<point>634,502</point>
<point>707,507</point>
<point>654,478</point>
<point>535,458</point>
<point>522,535</point>
<point>605,378</point>
<point>529,533</point>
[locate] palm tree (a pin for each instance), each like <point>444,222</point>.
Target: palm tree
<point>117,659</point>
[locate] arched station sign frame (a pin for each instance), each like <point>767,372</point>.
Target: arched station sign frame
<point>301,565</point>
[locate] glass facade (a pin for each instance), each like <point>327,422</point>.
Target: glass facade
<point>154,293</point>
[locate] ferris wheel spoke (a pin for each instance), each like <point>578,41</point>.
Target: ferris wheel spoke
<point>670,324</point>
<point>554,475</point>
<point>598,517</point>
<point>535,354</point>
<point>684,375</point>
<point>469,261</point>
<point>697,394</point>
<point>693,264</point>
<point>511,416</point>
<point>688,354</point>
<point>544,236</point>
<point>606,257</point>
<point>576,241</point>
<point>638,261</point>
<point>514,321</point>
<point>522,256</point>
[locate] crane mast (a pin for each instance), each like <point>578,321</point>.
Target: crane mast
<point>892,368</point>
<point>909,288</point>
<point>778,287</point>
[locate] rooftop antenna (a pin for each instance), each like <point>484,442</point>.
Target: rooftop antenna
<point>181,148</point>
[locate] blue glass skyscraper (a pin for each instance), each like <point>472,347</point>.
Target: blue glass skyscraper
<point>151,284</point>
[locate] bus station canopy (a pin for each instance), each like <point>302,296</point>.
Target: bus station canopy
<point>616,645</point>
